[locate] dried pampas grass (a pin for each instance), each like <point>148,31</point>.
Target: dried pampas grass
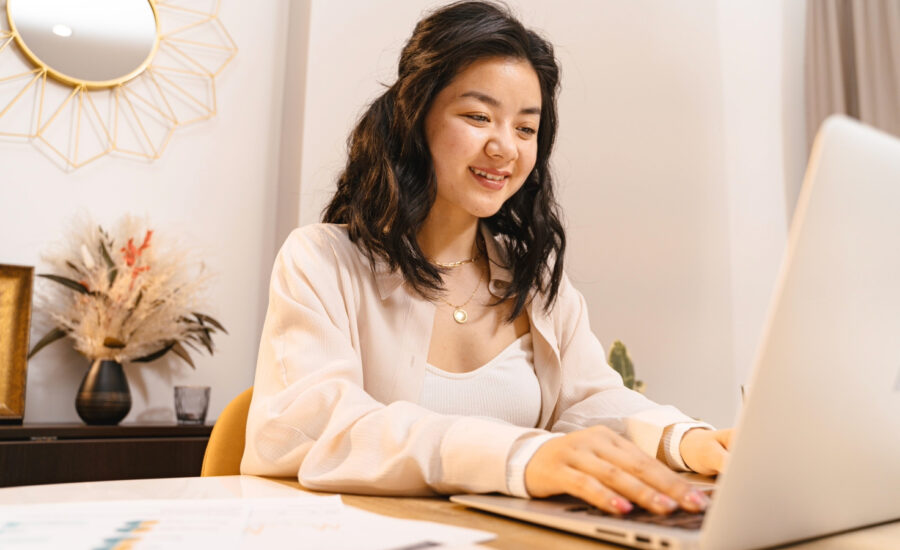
<point>125,294</point>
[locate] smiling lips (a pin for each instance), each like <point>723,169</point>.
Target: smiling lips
<point>491,179</point>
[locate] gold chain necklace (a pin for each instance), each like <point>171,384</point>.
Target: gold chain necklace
<point>460,315</point>
<point>459,262</point>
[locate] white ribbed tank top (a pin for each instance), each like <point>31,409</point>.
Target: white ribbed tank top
<point>506,387</point>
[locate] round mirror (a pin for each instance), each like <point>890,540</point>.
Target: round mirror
<point>97,43</point>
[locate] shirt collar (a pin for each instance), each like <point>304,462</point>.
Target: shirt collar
<point>388,281</point>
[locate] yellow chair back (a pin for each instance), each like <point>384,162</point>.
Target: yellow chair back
<point>226,442</point>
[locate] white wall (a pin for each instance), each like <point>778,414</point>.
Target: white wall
<point>765,152</point>
<point>639,164</point>
<point>215,185</point>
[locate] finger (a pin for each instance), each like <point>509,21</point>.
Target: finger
<point>667,487</point>
<point>718,458</point>
<point>724,437</point>
<point>588,489</point>
<point>711,460</point>
<point>619,479</point>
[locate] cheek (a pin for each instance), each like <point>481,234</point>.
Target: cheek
<point>454,142</point>
<point>528,157</point>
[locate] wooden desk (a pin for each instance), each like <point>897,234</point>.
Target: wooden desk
<point>511,535</point>
<point>517,535</point>
<point>61,453</point>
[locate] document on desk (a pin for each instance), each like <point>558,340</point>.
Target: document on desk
<point>239,523</point>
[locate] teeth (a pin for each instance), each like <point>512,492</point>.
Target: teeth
<point>488,176</point>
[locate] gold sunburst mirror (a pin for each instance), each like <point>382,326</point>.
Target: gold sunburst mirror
<point>83,78</point>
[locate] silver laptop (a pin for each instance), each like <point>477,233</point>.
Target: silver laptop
<point>817,446</point>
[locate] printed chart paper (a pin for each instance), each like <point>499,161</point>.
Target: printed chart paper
<point>294,522</point>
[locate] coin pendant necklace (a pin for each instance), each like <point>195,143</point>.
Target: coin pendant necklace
<point>460,315</point>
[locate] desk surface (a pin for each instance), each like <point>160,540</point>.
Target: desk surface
<point>511,534</point>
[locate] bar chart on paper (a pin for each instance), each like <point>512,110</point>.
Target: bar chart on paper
<point>317,521</point>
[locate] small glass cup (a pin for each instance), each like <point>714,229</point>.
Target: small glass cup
<point>191,403</point>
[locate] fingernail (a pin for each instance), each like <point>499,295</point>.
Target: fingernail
<point>622,505</point>
<point>665,502</point>
<point>697,499</point>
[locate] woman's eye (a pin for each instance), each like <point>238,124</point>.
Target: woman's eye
<point>527,131</point>
<point>478,118</point>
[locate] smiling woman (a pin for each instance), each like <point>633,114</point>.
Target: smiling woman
<point>483,126</point>
<point>425,338</point>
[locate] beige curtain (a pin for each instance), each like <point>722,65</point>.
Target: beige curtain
<point>853,62</point>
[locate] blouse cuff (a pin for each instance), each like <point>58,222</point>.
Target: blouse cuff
<point>519,456</point>
<point>670,444</point>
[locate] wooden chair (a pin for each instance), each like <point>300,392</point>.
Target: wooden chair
<point>226,442</point>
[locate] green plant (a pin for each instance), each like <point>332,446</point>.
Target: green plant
<point>621,363</point>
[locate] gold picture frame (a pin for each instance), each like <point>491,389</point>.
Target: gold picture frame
<point>16,284</point>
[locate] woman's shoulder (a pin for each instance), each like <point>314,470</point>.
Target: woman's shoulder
<point>320,241</point>
<point>324,236</point>
<point>321,233</point>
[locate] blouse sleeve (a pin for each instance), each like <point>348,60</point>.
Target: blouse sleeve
<point>592,392</point>
<point>310,416</point>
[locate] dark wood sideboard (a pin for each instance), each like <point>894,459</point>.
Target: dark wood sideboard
<point>34,454</point>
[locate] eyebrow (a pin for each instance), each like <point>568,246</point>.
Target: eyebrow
<point>484,98</point>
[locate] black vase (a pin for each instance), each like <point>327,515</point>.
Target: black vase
<point>103,398</point>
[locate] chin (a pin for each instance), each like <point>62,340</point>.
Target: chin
<point>485,211</point>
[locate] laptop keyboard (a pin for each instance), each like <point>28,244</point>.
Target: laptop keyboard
<point>679,518</point>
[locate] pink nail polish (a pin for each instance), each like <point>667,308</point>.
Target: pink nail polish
<point>698,499</point>
<point>667,503</point>
<point>622,505</point>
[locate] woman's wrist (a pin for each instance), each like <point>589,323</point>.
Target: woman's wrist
<point>706,451</point>
<point>673,436</point>
<point>519,456</point>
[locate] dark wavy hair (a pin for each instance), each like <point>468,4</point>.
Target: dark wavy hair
<point>388,186</point>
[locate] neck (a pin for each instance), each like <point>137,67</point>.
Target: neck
<point>448,239</point>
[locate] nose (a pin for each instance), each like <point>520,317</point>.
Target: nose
<point>502,145</point>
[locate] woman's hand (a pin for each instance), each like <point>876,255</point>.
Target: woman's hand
<point>705,451</point>
<point>606,470</point>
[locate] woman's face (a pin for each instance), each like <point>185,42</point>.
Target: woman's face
<point>482,134</point>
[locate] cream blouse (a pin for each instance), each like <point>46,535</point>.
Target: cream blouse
<point>341,371</point>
